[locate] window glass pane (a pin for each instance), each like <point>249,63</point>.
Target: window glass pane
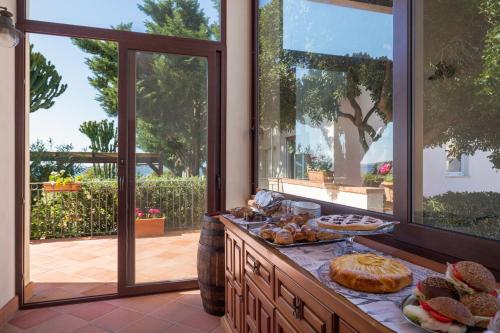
<point>198,19</point>
<point>73,152</point>
<point>457,117</point>
<point>171,164</point>
<point>325,101</point>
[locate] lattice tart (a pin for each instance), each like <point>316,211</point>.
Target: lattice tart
<point>370,273</point>
<point>349,222</point>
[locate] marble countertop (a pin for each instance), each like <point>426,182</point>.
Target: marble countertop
<point>385,308</point>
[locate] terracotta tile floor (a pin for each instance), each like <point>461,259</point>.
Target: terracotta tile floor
<point>62,269</point>
<point>168,313</point>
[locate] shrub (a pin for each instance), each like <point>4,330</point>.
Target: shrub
<point>94,210</point>
<point>372,180</point>
<point>476,213</point>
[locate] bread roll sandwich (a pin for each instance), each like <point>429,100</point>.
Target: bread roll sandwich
<point>441,314</point>
<point>482,306</point>
<point>435,286</point>
<point>470,277</point>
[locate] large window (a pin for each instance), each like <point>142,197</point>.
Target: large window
<point>198,19</point>
<point>325,101</point>
<point>457,116</point>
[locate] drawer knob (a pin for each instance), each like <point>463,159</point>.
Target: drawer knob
<point>297,308</point>
<point>256,267</point>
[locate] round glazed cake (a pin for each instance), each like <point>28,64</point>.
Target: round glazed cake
<point>370,273</point>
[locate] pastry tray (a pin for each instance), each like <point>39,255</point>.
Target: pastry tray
<point>255,232</point>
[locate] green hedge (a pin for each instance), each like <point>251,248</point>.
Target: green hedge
<point>476,213</point>
<point>94,210</point>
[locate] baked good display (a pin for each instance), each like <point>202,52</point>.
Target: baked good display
<point>267,234</point>
<point>369,272</point>
<point>482,306</point>
<point>299,236</point>
<point>349,222</point>
<point>327,235</point>
<point>300,219</point>
<point>283,237</point>
<point>470,277</point>
<point>240,212</point>
<point>435,286</point>
<point>441,314</point>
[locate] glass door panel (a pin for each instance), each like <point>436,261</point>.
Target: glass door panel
<point>171,120</point>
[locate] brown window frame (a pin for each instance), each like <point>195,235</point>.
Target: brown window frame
<point>214,51</point>
<point>437,244</point>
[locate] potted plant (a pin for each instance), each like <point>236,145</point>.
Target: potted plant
<point>319,169</point>
<point>388,183</point>
<point>149,224</point>
<point>61,182</point>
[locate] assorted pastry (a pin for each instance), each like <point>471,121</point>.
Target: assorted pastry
<point>350,222</point>
<point>247,214</point>
<point>465,297</point>
<point>368,272</point>
<point>294,229</point>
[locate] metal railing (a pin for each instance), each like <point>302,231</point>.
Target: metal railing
<point>93,210</point>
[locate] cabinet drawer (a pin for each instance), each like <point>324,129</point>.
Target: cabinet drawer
<point>258,310</point>
<point>301,308</point>
<point>259,270</point>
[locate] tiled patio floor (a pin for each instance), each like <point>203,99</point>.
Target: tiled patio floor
<point>180,312</point>
<point>62,269</point>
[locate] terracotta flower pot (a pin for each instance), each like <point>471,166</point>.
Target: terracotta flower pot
<point>388,191</point>
<point>150,227</point>
<point>320,176</point>
<point>53,187</point>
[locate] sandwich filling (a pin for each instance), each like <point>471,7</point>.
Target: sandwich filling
<point>428,320</point>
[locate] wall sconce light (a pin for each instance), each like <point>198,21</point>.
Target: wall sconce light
<point>9,35</point>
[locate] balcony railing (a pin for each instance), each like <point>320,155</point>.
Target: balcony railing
<point>93,211</point>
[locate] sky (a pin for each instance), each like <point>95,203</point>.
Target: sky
<point>308,26</point>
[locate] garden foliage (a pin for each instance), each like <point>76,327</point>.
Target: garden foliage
<point>93,211</point>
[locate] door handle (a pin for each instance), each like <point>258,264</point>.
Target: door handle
<point>121,183</point>
<point>297,308</point>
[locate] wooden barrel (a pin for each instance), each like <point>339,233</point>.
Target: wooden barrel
<point>210,265</point>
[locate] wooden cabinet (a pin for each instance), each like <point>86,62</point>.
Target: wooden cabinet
<point>302,309</point>
<point>345,327</point>
<point>234,256</point>
<point>259,270</point>
<point>259,311</point>
<point>281,325</point>
<point>267,294</point>
<point>234,307</point>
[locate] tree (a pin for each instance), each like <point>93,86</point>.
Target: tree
<point>462,104</point>
<point>171,95</point>
<point>45,82</point>
<point>103,139</point>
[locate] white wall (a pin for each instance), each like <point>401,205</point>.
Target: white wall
<point>7,252</point>
<point>479,174</point>
<point>238,102</point>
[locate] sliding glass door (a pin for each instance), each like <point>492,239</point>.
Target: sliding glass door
<point>171,119</point>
